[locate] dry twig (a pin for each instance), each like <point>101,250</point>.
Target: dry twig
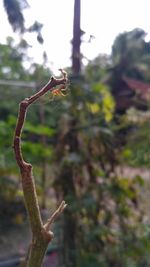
<point>41,234</point>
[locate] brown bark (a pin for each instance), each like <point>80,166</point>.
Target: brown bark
<point>41,234</point>
<point>43,164</point>
<point>69,144</point>
<point>76,43</point>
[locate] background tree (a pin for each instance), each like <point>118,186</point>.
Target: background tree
<point>14,10</point>
<point>130,57</point>
<point>76,42</point>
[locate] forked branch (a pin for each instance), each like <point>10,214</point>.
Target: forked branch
<point>41,234</point>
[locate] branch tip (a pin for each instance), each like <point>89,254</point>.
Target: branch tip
<point>64,73</point>
<point>62,206</point>
<point>54,216</point>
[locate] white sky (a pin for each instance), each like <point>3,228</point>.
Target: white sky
<point>104,19</point>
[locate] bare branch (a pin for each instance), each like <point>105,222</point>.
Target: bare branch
<point>41,235</point>
<point>23,110</point>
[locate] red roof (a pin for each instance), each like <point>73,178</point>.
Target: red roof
<point>140,87</point>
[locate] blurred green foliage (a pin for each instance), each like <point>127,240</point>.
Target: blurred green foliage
<point>79,141</point>
<point>136,151</point>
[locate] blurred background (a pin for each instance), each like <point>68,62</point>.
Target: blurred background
<point>90,146</point>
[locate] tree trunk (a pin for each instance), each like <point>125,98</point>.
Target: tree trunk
<point>69,250</point>
<point>67,144</point>
<point>76,56</point>
<point>43,164</point>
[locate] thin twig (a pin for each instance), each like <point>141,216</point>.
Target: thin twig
<point>54,216</point>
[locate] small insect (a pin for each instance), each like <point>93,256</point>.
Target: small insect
<point>61,91</point>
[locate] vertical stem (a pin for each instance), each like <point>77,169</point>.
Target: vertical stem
<point>31,200</point>
<point>76,56</point>
<point>43,141</point>
<point>69,140</point>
